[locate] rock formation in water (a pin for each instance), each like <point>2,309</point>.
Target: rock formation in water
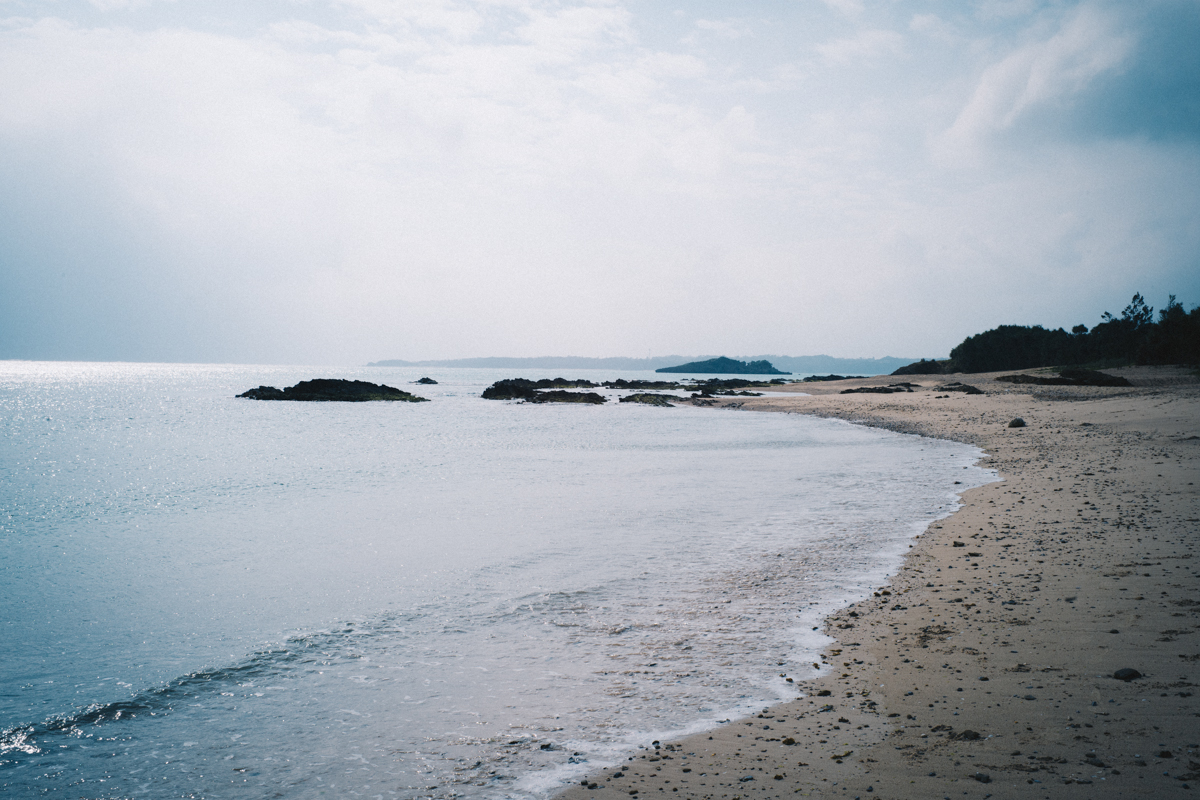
<point>525,389</point>
<point>333,390</point>
<point>651,399</point>
<point>546,390</point>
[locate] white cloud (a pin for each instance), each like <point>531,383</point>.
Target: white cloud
<point>421,179</point>
<point>1040,74</point>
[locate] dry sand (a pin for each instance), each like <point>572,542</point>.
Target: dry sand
<point>985,667</point>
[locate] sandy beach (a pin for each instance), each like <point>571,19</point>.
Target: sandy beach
<point>985,667</point>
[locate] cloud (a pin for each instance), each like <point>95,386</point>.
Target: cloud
<point>358,179</point>
<point>1046,73</point>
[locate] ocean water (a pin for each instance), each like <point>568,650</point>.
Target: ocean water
<point>209,597</point>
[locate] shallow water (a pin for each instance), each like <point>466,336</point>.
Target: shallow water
<point>211,597</point>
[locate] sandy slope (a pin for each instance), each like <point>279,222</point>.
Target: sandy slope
<point>986,669</point>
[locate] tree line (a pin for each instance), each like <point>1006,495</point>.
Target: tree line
<point>1134,337</point>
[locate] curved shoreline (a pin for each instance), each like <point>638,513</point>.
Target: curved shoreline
<point>1092,529</point>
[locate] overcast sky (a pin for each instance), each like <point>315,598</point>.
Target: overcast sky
<point>337,181</point>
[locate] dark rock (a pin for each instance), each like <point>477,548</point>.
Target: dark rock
<point>560,396</point>
<point>816,378</point>
<point>510,389</point>
<point>650,399</point>
<point>1165,754</point>
<point>264,393</point>
<point>967,736</point>
<point>1068,377</point>
<point>621,383</point>
<point>525,389</point>
<point>333,390</point>
<point>1016,422</point>
<point>893,389</point>
<point>982,777</point>
<point>1091,377</point>
<point>427,381</point>
<point>924,367</point>
<point>959,387</point>
<point>726,366</point>
<point>1036,380</point>
<point>1127,674</point>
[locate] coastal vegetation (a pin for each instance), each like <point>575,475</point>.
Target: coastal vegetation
<point>726,366</point>
<point>1134,337</point>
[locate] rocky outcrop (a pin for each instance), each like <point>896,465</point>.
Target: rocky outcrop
<point>892,389</point>
<point>726,366</point>
<point>562,396</point>
<point>651,399</point>
<point>959,387</point>
<point>923,367</point>
<point>534,391</point>
<point>621,383</point>
<point>1068,377</point>
<point>426,381</point>
<point>816,378</point>
<point>333,390</point>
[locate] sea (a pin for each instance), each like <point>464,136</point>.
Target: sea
<point>203,596</point>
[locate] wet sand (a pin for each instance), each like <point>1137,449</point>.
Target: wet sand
<point>985,667</point>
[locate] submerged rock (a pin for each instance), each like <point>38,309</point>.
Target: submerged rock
<point>333,390</point>
<point>426,381</point>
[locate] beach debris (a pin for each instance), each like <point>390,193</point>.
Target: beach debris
<point>1127,674</point>
<point>967,736</point>
<point>1016,422</point>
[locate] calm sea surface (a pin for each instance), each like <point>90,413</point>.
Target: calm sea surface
<point>208,597</point>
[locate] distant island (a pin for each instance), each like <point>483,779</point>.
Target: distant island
<point>726,366</point>
<point>820,365</point>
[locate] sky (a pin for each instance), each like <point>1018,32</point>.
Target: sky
<point>339,181</point>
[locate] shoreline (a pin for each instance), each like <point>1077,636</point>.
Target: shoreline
<point>984,668</point>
